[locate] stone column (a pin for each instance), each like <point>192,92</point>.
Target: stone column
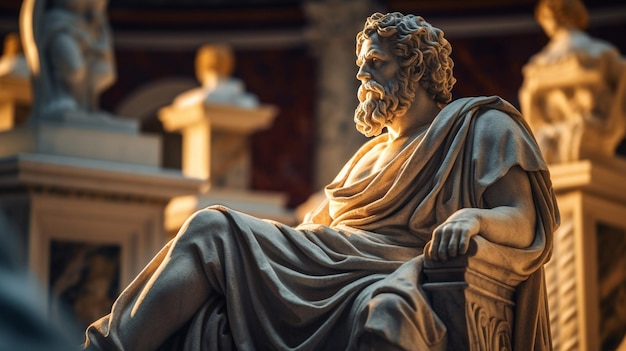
<point>215,139</point>
<point>586,280</point>
<point>332,33</point>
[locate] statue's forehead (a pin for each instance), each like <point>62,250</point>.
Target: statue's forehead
<point>373,44</point>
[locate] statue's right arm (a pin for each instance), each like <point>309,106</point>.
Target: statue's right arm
<point>505,213</point>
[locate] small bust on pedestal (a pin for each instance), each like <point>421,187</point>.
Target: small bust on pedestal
<point>214,67</point>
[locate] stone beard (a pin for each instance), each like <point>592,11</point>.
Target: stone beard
<point>380,104</point>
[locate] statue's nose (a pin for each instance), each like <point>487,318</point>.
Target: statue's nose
<point>363,74</point>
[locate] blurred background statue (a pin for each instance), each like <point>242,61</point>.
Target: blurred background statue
<point>15,91</point>
<point>215,64</point>
<point>574,89</point>
<point>68,47</point>
<point>12,61</point>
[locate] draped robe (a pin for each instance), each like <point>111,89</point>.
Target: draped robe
<point>353,268</point>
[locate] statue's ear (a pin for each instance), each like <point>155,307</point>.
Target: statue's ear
<point>416,65</point>
<point>416,72</point>
<point>417,76</point>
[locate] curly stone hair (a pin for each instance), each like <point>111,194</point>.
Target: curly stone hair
<point>569,13</point>
<point>422,50</point>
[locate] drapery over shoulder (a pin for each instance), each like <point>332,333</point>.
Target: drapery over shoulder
<point>471,144</point>
<point>354,271</point>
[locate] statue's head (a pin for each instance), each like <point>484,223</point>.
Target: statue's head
<point>214,62</point>
<point>422,56</point>
<point>12,45</point>
<point>554,14</point>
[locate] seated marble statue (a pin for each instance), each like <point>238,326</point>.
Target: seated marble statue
<point>444,173</point>
<point>574,90</point>
<point>70,54</point>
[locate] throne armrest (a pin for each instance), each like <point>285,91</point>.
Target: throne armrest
<point>476,308</point>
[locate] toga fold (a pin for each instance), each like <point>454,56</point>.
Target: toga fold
<point>354,267</point>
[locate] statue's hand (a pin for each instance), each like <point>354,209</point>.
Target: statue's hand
<point>452,237</point>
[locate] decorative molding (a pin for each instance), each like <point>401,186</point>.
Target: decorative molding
<point>589,193</point>
<point>487,332</point>
<point>71,175</point>
<point>136,229</point>
<point>477,309</point>
<point>561,285</point>
<point>94,143</point>
<point>602,176</point>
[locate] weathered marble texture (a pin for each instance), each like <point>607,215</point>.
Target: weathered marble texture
<point>349,277</point>
<point>574,90</point>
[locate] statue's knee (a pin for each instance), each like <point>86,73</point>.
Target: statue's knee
<point>387,315</point>
<point>389,304</point>
<point>203,225</point>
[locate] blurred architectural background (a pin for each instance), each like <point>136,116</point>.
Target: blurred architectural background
<point>277,51</point>
<point>298,58</point>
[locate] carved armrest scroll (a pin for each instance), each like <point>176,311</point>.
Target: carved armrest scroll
<point>477,309</point>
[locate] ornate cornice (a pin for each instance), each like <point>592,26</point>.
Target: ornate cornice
<point>76,177</point>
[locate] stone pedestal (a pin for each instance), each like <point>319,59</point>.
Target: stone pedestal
<point>215,139</point>
<point>586,278</point>
<point>89,143</point>
<point>477,307</point>
<point>87,207</point>
<point>216,148</point>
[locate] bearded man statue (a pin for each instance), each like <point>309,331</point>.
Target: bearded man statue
<point>437,176</point>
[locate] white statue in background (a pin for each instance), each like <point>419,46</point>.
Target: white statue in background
<point>574,90</point>
<point>68,46</point>
<point>214,67</point>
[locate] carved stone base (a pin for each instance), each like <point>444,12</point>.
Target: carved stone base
<point>85,227</point>
<point>54,139</point>
<point>98,120</point>
<point>585,278</point>
<point>477,310</point>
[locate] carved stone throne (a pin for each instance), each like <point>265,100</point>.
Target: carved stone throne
<point>477,309</point>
